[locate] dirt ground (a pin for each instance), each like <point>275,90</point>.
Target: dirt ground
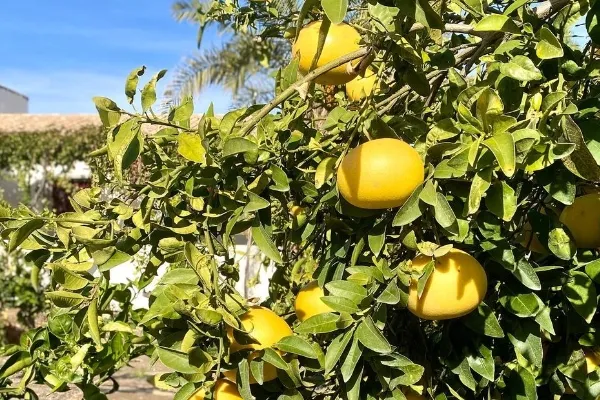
<point>133,385</point>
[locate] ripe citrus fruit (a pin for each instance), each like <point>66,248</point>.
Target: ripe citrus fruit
<point>583,220</point>
<point>341,39</point>
<point>455,288</point>
<point>381,173</point>
<point>308,302</point>
<point>361,87</point>
<point>266,328</point>
<point>223,390</point>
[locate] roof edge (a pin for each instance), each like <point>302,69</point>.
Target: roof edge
<point>14,92</point>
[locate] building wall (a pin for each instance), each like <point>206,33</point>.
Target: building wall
<point>12,102</point>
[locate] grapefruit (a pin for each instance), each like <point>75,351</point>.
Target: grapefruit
<point>381,173</point>
<point>361,87</point>
<point>455,288</point>
<point>582,218</point>
<point>266,328</point>
<point>341,39</point>
<point>223,390</point>
<point>308,302</point>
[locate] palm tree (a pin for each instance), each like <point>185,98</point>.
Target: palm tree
<point>243,65</point>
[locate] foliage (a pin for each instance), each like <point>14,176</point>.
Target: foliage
<point>504,114</point>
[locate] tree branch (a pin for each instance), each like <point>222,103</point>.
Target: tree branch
<point>290,90</point>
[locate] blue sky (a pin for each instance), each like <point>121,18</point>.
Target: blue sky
<point>62,53</point>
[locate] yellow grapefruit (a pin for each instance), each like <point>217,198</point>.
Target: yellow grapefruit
<point>361,87</point>
<point>223,390</point>
<point>341,39</point>
<point>455,288</point>
<point>381,173</point>
<point>583,220</point>
<point>266,328</point>
<point>308,302</point>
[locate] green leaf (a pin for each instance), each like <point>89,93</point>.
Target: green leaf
<point>521,384</point>
<point>320,323</point>
<point>236,145</point>
<point>591,22</point>
<point>335,10</point>
<point>503,147</point>
<point>336,349</point>
<point>340,304</point>
<point>525,337</point>
<point>243,380</point>
<point>149,91</point>
<point>371,337</point>
<point>63,299</point>
<point>255,203</point>
<point>67,279</point>
<point>324,171</point>
<point>560,244</point>
<point>424,278</point>
<point>125,145</point>
<point>497,23</point>
<point>347,289</point>
<point>581,162</point>
<point>418,81</point>
<point>351,360</point>
<point>23,232</point>
<point>352,387</point>
<point>92,318</point>
<point>391,294</point>
<point>522,69</point>
<point>502,201</point>
<point>464,374</point>
<point>297,345</point>
<point>282,183</point>
<point>593,270</point>
<point>176,360</point>
<point>581,293</point>
<point>444,215</point>
<point>376,237</point>
<point>481,183</point>
<point>186,392</point>
<point>515,5</point>
<point>132,82</point>
<point>109,112</point>
<point>422,12</point>
<point>544,319</point>
<point>484,321</point>
<point>274,358</point>
<point>548,47</point>
<point>264,242</point>
<point>410,210</point>
<point>526,274</point>
<point>190,147</point>
<point>483,362</point>
<point>559,183</point>
<point>522,305</point>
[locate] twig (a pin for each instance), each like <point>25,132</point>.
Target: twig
<point>290,90</point>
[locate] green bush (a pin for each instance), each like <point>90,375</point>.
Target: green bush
<point>500,104</point>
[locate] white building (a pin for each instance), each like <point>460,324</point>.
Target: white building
<point>12,102</point>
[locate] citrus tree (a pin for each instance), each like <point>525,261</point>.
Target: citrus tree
<point>424,179</point>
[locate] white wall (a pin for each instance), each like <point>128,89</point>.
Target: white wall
<point>12,102</point>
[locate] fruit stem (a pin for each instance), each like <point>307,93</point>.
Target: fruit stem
<point>290,90</point>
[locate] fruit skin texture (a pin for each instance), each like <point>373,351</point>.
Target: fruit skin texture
<point>267,328</point>
<point>583,220</point>
<point>455,288</point>
<point>341,39</point>
<point>223,390</point>
<point>361,87</point>
<point>308,302</point>
<point>381,173</point>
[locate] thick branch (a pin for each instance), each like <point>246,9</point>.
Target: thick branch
<point>290,90</point>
